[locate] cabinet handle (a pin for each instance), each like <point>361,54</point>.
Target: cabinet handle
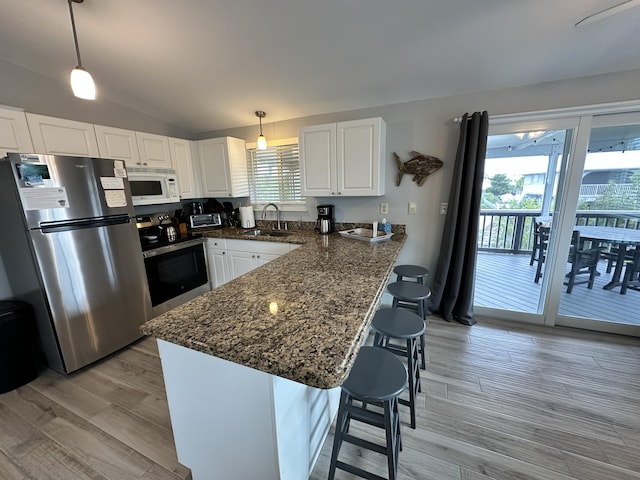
<point>258,256</point>
<point>333,193</point>
<point>339,193</point>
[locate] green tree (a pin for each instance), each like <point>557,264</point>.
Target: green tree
<point>612,199</point>
<point>500,184</point>
<point>520,185</point>
<point>526,204</point>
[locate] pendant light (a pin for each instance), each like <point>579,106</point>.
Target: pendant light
<point>262,142</point>
<point>81,81</point>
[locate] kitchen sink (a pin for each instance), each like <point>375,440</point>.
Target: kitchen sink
<point>267,233</point>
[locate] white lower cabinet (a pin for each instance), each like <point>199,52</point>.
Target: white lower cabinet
<point>240,262</point>
<point>230,258</point>
<point>283,423</point>
<point>217,259</point>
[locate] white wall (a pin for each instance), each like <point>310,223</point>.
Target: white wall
<point>427,127</point>
<point>30,91</point>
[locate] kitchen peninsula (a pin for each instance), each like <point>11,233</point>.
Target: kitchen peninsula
<point>252,369</point>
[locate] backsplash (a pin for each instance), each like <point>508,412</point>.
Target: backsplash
<point>300,225</point>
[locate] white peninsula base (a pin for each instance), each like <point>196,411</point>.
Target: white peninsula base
<point>234,422</point>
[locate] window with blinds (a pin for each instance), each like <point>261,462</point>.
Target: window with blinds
<point>274,175</point>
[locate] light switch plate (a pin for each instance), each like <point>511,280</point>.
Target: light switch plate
<point>443,208</point>
<point>412,208</point>
<point>384,208</point>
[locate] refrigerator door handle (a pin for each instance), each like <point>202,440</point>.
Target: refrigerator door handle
<point>65,226</point>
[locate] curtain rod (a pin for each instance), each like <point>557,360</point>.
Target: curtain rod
<point>624,106</point>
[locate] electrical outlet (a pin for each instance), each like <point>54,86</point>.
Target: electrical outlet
<point>443,208</point>
<point>384,208</point>
<point>412,208</point>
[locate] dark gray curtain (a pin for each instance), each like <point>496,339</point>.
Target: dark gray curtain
<point>453,282</point>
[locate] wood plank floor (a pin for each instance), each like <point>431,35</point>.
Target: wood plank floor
<point>499,401</point>
<point>506,281</point>
<point>509,402</point>
<point>109,421</point>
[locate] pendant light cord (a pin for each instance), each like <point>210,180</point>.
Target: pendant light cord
<point>75,35</point>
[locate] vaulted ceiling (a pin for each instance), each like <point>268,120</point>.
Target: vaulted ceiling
<point>204,65</point>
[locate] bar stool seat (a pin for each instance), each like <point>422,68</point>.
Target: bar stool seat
<point>412,293</point>
<point>410,271</point>
<point>413,296</point>
<point>377,378</point>
<point>404,325</point>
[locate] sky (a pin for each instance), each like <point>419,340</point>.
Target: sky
<point>515,167</point>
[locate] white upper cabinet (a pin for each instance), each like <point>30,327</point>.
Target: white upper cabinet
<point>223,167</point>
<point>154,150</point>
<point>318,160</point>
<point>344,158</point>
<point>14,132</point>
<point>118,144</point>
<point>183,164</point>
<point>57,136</point>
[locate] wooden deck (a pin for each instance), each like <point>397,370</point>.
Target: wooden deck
<point>505,281</point>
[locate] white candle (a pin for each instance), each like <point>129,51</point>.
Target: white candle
<point>375,229</point>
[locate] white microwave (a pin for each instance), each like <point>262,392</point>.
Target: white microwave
<point>151,186</point>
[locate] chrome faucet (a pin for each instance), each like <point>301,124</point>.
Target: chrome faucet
<point>264,212</point>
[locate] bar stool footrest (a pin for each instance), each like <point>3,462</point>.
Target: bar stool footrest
<point>369,417</point>
<point>347,437</point>
<point>358,471</point>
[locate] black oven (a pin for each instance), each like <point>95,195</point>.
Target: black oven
<point>176,273</point>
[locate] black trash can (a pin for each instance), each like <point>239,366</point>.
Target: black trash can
<point>17,333</point>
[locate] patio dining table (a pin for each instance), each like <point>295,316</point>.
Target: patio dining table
<point>622,237</point>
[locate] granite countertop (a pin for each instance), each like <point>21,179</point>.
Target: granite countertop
<point>302,316</point>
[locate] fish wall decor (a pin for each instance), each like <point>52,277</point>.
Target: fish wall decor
<point>420,166</point>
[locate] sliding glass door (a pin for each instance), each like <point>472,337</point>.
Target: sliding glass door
<point>524,173</point>
<point>558,223</point>
<point>607,226</point>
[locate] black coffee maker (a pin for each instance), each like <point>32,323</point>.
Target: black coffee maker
<point>325,223</point>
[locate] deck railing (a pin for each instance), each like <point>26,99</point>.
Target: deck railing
<point>592,191</point>
<point>511,231</point>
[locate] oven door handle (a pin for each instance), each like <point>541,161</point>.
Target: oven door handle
<point>172,248</point>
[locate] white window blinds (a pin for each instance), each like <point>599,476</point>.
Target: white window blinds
<point>274,175</point>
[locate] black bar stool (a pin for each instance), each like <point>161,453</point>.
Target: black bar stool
<point>413,296</point>
<point>377,378</point>
<point>404,325</point>
<point>410,271</point>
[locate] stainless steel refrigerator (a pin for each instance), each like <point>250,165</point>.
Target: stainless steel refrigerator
<point>71,249</point>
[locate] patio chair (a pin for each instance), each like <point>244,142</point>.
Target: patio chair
<point>540,244</point>
<point>632,273</point>
<point>536,242</point>
<point>610,254</point>
<point>583,262</point>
